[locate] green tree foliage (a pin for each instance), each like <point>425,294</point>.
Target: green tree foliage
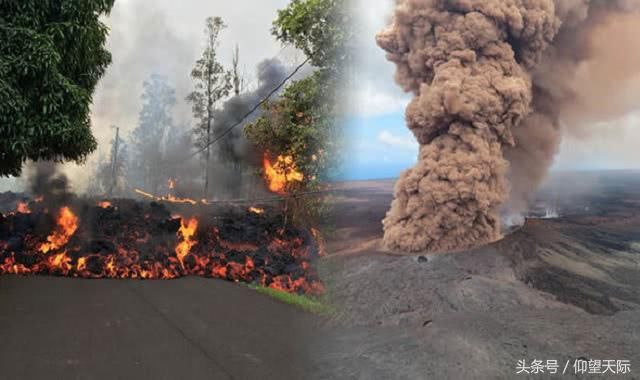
<point>320,29</point>
<point>51,57</point>
<point>302,122</point>
<point>212,83</point>
<point>295,125</point>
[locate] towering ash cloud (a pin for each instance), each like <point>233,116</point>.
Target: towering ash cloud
<point>494,81</point>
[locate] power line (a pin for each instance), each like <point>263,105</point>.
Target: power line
<point>252,110</point>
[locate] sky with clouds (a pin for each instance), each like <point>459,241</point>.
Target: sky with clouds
<point>166,36</point>
<point>383,146</point>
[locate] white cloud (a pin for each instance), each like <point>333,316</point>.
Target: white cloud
<point>406,142</point>
<point>373,91</point>
<point>604,145</point>
<point>374,101</point>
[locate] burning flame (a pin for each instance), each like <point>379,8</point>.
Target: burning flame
<point>169,198</point>
<point>105,204</point>
<point>277,257</point>
<point>23,208</point>
<point>281,173</point>
<point>187,231</point>
<point>256,210</point>
<point>171,183</point>
<point>67,226</point>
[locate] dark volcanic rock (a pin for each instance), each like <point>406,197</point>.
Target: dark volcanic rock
<point>556,289</point>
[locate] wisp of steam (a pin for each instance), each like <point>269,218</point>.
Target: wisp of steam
<point>495,83</point>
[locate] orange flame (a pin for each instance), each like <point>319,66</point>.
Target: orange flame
<point>171,183</point>
<point>169,198</point>
<point>23,208</point>
<point>275,259</point>
<point>67,226</point>
<point>61,262</point>
<point>187,231</point>
<point>256,210</point>
<point>281,173</point>
<point>104,204</point>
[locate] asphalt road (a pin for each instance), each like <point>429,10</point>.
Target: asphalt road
<point>192,328</point>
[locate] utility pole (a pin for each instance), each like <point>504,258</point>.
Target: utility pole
<point>114,162</point>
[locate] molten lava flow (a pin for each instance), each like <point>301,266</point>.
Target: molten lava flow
<point>256,210</point>
<point>135,240</point>
<point>169,198</point>
<point>67,226</point>
<point>187,231</point>
<point>23,208</point>
<point>105,204</point>
<point>145,194</point>
<point>281,173</point>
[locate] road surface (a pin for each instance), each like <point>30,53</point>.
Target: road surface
<point>191,328</point>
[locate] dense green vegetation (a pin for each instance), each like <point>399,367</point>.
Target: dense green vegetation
<point>51,57</point>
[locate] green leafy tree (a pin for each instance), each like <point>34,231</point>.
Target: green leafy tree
<point>52,55</point>
<point>320,28</point>
<point>212,83</point>
<point>302,123</point>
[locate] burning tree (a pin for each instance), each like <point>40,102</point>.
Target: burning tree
<point>212,83</point>
<point>297,132</point>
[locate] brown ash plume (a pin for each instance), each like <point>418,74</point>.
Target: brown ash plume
<point>490,98</point>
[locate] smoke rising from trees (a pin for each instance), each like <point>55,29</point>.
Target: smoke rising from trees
<point>496,83</point>
<point>165,37</point>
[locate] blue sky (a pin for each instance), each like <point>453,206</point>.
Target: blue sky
<point>380,145</point>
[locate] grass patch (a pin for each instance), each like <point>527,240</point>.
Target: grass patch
<point>312,305</point>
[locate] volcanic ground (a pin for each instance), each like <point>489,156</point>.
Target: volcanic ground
<point>127,239</point>
<point>73,304</point>
<point>562,289</point>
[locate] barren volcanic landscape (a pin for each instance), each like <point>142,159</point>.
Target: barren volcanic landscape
<point>564,286</point>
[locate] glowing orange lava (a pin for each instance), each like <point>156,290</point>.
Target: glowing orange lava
<point>281,173</point>
<point>169,198</point>
<point>187,231</point>
<point>256,210</point>
<point>67,226</point>
<point>140,244</point>
<point>105,204</point>
<point>23,208</point>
